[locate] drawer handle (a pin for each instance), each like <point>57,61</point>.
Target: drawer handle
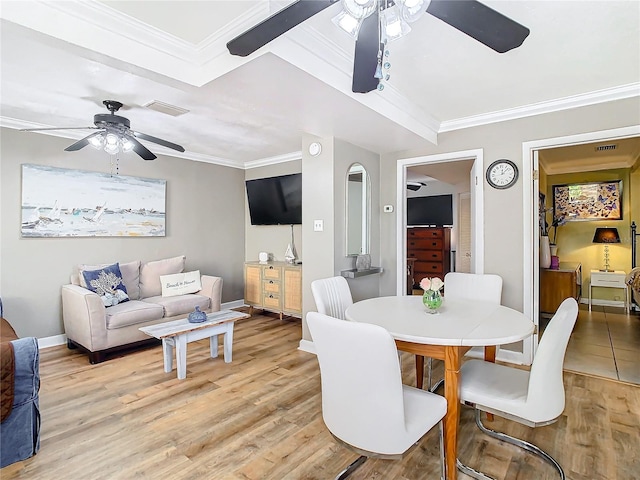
<point>270,296</point>
<point>270,267</point>
<point>412,254</point>
<point>270,281</point>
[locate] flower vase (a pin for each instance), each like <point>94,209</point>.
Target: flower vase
<point>432,300</point>
<point>545,252</point>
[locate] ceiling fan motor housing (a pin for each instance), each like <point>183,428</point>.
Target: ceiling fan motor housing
<point>103,120</point>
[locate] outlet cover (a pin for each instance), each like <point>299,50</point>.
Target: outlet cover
<point>318,225</point>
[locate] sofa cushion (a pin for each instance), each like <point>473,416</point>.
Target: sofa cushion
<point>130,276</point>
<point>131,313</point>
<point>181,305</point>
<point>107,282</point>
<point>180,283</point>
<point>150,272</point>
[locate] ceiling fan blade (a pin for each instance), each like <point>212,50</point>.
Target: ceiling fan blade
<point>159,141</point>
<point>81,143</point>
<point>480,22</point>
<point>365,59</point>
<point>140,149</point>
<point>55,128</point>
<point>274,26</point>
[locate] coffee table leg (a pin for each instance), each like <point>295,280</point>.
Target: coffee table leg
<point>167,353</point>
<point>228,342</point>
<point>181,356</point>
<point>213,345</point>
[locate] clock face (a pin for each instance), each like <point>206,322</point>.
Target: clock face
<point>502,174</point>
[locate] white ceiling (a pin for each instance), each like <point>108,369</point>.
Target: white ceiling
<point>60,59</point>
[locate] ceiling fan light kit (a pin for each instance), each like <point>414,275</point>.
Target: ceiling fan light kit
<point>373,23</point>
<point>115,135</point>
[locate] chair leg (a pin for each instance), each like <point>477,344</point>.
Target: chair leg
<point>530,447</point>
<point>351,468</point>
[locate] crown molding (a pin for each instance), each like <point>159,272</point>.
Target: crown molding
<point>566,103</point>
<point>263,162</point>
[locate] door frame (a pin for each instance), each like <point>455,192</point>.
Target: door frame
<point>531,259</point>
<point>477,208</point>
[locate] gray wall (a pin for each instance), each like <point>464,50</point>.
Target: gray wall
<point>504,240</point>
<point>205,219</point>
<point>324,195</point>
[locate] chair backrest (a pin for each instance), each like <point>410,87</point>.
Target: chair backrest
<point>473,286</point>
<point>545,397</point>
<point>362,395</point>
<point>332,296</point>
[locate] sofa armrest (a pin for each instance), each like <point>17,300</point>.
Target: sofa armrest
<point>84,317</point>
<point>212,288</point>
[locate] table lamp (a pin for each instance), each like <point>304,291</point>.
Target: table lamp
<point>606,235</point>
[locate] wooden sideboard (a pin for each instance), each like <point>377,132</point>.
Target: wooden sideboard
<point>430,247</point>
<point>273,286</point>
<point>558,284</point>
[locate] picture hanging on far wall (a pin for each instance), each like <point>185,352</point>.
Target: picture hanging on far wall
<point>588,201</point>
<point>59,202</point>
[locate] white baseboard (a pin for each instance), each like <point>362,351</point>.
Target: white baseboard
<point>61,339</point>
<point>603,303</point>
<point>53,341</point>
<point>307,346</point>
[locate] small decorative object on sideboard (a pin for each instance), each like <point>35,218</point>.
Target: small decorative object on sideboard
<point>197,316</point>
<point>363,262</point>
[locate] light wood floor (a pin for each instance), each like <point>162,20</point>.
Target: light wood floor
<point>260,418</point>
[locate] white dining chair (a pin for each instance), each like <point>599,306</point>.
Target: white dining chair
<point>332,296</point>
<point>365,406</point>
<point>534,398</point>
<point>464,286</point>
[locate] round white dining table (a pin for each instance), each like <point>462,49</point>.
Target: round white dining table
<point>446,335</point>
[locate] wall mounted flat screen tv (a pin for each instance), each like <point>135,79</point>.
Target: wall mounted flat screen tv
<point>275,200</point>
<point>434,210</point>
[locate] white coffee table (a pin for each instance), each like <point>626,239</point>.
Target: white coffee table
<point>178,333</point>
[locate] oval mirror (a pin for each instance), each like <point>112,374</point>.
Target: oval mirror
<point>358,210</point>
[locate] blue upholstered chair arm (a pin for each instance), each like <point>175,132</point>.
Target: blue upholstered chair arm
<point>20,432</point>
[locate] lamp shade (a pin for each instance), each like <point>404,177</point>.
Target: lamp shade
<point>606,235</point>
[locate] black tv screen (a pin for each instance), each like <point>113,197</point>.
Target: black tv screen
<point>275,200</point>
<point>434,210</point>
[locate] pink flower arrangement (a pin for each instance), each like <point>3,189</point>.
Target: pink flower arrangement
<point>431,283</point>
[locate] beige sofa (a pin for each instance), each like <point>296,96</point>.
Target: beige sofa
<point>101,330</point>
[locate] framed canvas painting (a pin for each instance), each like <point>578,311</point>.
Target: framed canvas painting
<point>59,202</point>
<point>588,201</point>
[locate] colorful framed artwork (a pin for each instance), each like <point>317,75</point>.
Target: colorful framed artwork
<point>588,201</point>
<point>59,202</point>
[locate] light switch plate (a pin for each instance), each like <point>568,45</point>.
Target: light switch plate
<point>387,208</point>
<point>318,225</point>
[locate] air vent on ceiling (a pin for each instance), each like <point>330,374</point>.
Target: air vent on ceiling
<point>162,107</point>
<point>602,148</point>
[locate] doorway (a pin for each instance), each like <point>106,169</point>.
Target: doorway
<point>531,179</point>
<point>471,163</point>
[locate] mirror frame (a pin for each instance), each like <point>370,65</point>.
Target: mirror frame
<point>365,200</point>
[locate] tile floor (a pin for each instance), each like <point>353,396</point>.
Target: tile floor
<point>605,342</point>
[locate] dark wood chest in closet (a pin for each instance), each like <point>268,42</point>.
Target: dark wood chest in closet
<point>430,248</point>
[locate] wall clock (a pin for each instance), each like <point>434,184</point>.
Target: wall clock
<point>502,174</point>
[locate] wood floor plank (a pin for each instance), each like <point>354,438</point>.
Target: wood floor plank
<point>259,418</point>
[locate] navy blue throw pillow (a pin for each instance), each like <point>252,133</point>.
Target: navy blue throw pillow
<point>107,282</point>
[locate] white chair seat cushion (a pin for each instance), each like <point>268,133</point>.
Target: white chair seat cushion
<point>495,386</point>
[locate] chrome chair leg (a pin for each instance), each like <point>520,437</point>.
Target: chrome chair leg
<point>520,443</point>
<point>429,368</point>
<point>351,468</point>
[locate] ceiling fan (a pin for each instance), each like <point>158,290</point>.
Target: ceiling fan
<point>114,134</point>
<point>471,17</point>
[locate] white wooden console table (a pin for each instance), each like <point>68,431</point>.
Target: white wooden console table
<point>178,333</point>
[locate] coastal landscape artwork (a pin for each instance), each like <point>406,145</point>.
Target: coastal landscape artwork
<point>59,202</point>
